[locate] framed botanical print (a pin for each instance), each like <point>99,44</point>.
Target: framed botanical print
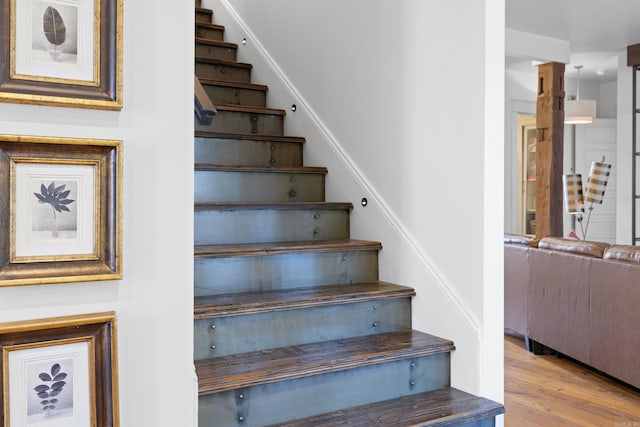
<point>59,372</point>
<point>61,52</point>
<point>61,218</point>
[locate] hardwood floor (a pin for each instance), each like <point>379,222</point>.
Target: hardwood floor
<point>552,391</point>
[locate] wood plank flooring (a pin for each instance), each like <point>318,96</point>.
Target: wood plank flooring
<point>552,391</point>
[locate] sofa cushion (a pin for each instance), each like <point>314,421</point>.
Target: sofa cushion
<point>582,247</point>
<point>626,253</point>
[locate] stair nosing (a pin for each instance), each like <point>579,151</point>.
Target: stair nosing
<point>260,169</point>
<point>216,61</point>
<point>351,360</point>
<point>218,43</point>
<point>249,136</point>
<point>204,10</point>
<point>210,26</point>
<point>250,109</point>
<point>247,303</point>
<point>245,206</point>
<point>283,248</point>
<point>236,85</point>
<point>482,409</point>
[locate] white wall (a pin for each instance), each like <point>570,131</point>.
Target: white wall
<point>154,301</point>
<point>403,101</point>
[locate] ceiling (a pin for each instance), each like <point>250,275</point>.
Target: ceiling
<point>597,31</point>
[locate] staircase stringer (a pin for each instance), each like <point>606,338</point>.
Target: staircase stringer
<point>353,183</point>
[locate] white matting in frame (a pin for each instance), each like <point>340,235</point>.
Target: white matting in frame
<point>37,57</point>
<point>50,385</point>
<point>41,230</point>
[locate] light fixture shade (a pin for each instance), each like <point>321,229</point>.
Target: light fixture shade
<point>579,111</point>
<point>597,181</point>
<point>573,200</point>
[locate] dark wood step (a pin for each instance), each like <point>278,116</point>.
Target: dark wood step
<point>247,303</point>
<point>287,363</point>
<point>259,169</point>
<point>244,206</point>
<point>246,119</point>
<point>232,93</point>
<point>206,48</point>
<point>267,249</point>
<point>255,150</point>
<point>249,137</point>
<point>218,69</point>
<point>443,407</point>
<point>203,15</point>
<point>250,109</point>
<point>209,31</point>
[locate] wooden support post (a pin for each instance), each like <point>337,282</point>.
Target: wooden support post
<point>549,149</point>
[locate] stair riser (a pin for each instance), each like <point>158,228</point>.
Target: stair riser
<point>241,122</point>
<point>243,274</point>
<point>236,96</point>
<point>240,334</point>
<point>217,186</point>
<point>217,52</point>
<point>242,152</point>
<point>214,227</point>
<point>225,73</point>
<point>203,17</point>
<point>209,33</point>
<point>279,402</point>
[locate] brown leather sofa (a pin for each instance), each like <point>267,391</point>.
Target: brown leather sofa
<point>581,299</point>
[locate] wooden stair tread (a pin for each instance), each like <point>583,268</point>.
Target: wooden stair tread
<point>286,363</point>
<point>204,10</point>
<point>219,43</point>
<point>235,85</point>
<point>246,206</point>
<point>260,169</point>
<point>248,136</point>
<point>437,408</point>
<point>281,248</point>
<point>216,61</point>
<point>210,26</point>
<point>244,303</point>
<point>246,109</point>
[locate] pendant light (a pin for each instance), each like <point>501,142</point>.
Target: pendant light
<point>579,111</point>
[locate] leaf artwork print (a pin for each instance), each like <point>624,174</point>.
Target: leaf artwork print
<point>54,29</point>
<point>52,385</point>
<point>56,197</point>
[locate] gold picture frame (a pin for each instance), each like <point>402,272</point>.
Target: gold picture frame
<point>60,211</point>
<point>60,371</point>
<point>61,52</point>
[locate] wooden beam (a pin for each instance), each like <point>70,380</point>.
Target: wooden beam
<point>549,149</point>
<point>633,55</point>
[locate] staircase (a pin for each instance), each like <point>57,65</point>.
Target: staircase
<point>292,325</point>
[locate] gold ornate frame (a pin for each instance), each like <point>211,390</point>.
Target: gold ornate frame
<point>100,258</point>
<point>102,91</point>
<point>97,332</point>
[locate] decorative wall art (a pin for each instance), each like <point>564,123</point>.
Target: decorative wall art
<point>60,214</point>
<point>59,372</point>
<point>61,52</point>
